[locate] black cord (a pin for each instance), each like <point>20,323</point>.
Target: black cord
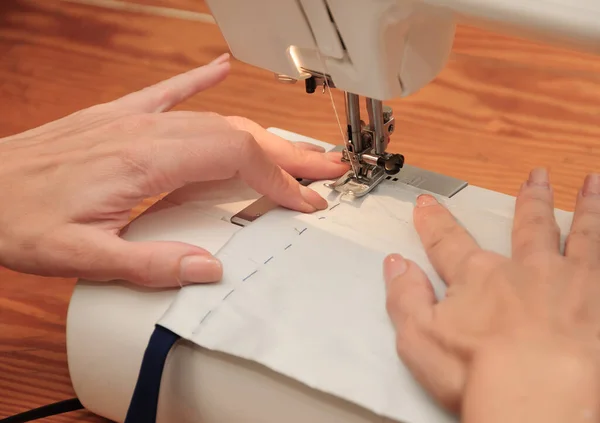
<point>60,407</point>
<point>144,402</point>
<point>143,406</point>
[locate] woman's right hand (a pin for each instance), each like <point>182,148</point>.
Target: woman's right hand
<point>515,339</point>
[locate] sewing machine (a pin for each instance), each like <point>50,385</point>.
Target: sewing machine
<point>376,49</point>
<point>381,50</point>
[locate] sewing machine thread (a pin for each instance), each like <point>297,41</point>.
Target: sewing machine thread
<point>249,276</point>
<point>337,116</point>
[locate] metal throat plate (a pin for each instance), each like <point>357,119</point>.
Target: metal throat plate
<point>426,180</point>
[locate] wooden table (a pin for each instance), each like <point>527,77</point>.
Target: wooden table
<point>501,107</point>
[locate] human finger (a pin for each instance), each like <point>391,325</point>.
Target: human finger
<point>171,164</point>
<point>170,92</point>
<point>534,227</point>
<point>410,302</point>
<point>447,244</point>
<point>183,123</point>
<point>91,253</point>
<point>161,264</point>
<point>583,242</point>
<point>409,291</point>
<point>299,162</point>
<point>308,146</point>
<point>439,372</point>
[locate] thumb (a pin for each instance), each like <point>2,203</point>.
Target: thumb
<point>168,93</point>
<point>161,264</point>
<point>410,302</point>
<point>156,264</point>
<point>409,293</point>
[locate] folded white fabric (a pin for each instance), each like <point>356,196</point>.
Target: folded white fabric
<point>303,294</point>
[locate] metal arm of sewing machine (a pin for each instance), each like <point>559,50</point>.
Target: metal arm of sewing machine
<point>366,144</point>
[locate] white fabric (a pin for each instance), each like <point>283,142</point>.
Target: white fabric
<point>303,295</point>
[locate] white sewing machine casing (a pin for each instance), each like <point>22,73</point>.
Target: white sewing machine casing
<point>385,49</point>
<point>379,49</point>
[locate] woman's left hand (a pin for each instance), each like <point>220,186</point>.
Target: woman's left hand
<point>69,187</point>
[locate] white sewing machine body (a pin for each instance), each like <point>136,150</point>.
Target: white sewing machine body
<point>385,49</point>
<point>379,49</point>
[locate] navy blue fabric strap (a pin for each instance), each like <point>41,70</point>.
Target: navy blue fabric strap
<point>144,402</point>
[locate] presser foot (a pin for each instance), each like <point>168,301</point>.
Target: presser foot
<point>357,187</point>
<point>372,170</point>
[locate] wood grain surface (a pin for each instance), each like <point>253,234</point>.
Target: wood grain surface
<point>187,5</point>
<point>501,107</point>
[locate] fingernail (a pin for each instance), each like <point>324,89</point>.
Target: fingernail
<point>426,200</point>
<point>313,199</point>
<point>200,269</point>
<point>394,266</point>
<point>591,185</point>
<point>539,178</point>
<point>221,59</point>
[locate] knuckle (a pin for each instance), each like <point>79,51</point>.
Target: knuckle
<point>405,334</point>
<point>94,116</point>
<point>241,148</point>
<point>212,115</point>
<point>476,260</point>
<point>540,260</point>
<point>535,196</point>
<point>247,149</point>
<point>585,234</point>
<point>134,160</point>
<point>478,266</point>
<point>535,206</point>
<point>403,339</point>
<point>443,236</point>
<point>212,120</point>
<point>136,165</point>
<point>240,122</point>
<point>539,220</point>
<point>142,270</point>
<point>247,141</point>
<point>133,124</point>
<point>218,122</point>
<point>165,95</point>
<point>589,208</point>
<point>67,258</point>
<point>276,183</point>
<point>391,303</point>
<point>521,242</point>
<point>238,154</point>
<point>536,222</point>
